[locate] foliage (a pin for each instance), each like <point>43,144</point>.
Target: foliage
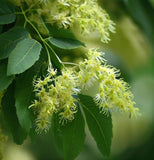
<point>33,77</point>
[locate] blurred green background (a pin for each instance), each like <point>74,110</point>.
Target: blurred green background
<point>131,50</point>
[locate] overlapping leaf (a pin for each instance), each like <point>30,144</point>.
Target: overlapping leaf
<point>70,138</point>
<point>65,43</point>
<point>23,98</point>
<point>7,12</point>
<point>24,55</point>
<point>5,80</point>
<point>100,125</point>
<point>9,39</point>
<point>9,111</point>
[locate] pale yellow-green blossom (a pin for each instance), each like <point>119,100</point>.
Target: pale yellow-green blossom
<point>113,93</point>
<point>55,95</point>
<point>87,14</point>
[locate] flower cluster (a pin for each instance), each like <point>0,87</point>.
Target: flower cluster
<point>55,95</point>
<point>113,93</point>
<point>87,14</point>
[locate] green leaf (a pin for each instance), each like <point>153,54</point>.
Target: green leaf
<point>60,32</point>
<point>54,31</point>
<point>23,98</point>
<point>70,138</point>
<point>73,137</point>
<point>25,54</point>
<point>62,38</point>
<point>1,28</point>
<point>9,39</point>
<point>9,111</point>
<point>56,134</point>
<point>6,13</point>
<point>65,43</point>
<point>99,124</point>
<point>32,135</point>
<point>5,80</point>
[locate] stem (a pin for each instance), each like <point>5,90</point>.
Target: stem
<point>41,38</point>
<point>31,6</point>
<point>53,52</point>
<point>70,63</point>
<point>25,24</point>
<point>50,65</point>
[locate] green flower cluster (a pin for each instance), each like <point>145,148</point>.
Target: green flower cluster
<point>87,14</point>
<point>112,93</point>
<point>56,93</point>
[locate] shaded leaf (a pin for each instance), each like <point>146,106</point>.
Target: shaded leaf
<point>54,31</point>
<point>99,124</point>
<point>9,39</point>
<point>6,13</point>
<point>1,28</point>
<point>73,137</point>
<point>9,111</point>
<point>5,80</point>
<point>56,134</point>
<point>69,138</point>
<point>23,98</point>
<point>24,55</point>
<point>65,43</point>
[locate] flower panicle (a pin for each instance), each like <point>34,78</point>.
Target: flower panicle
<point>57,93</point>
<point>89,16</point>
<point>54,94</point>
<point>113,93</point>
